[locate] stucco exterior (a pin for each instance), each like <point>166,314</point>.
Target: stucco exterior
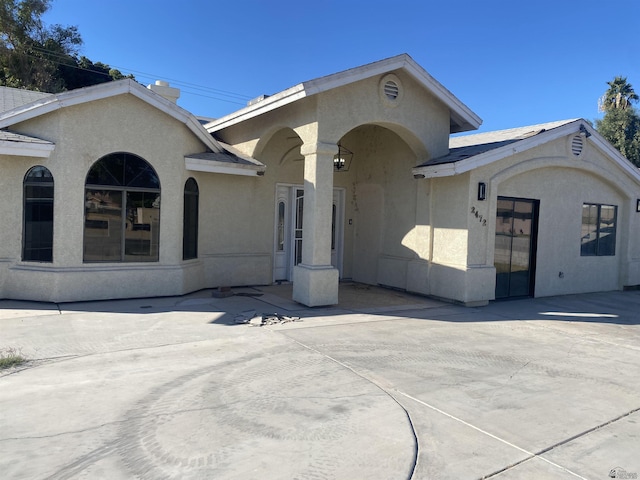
<point>563,182</point>
<point>83,134</point>
<point>272,206</point>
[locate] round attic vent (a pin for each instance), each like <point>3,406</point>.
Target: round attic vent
<point>577,145</point>
<point>390,90</point>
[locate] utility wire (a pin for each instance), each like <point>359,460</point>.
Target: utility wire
<point>233,97</point>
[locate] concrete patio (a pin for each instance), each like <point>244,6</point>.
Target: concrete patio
<point>385,385</point>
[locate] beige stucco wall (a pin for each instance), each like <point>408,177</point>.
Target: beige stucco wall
<point>83,134</point>
<point>452,273</point>
<point>418,118</point>
<point>379,210</point>
<point>381,202</point>
<point>561,182</point>
<point>560,268</point>
<point>430,236</point>
<point>382,242</point>
<point>237,213</point>
<point>238,243</point>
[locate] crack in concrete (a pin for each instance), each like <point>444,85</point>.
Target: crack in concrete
<point>416,450</point>
<point>530,455</point>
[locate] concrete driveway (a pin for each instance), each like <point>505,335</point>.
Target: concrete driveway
<point>384,386</point>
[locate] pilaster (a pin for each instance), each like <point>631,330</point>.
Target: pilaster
<point>315,280</point>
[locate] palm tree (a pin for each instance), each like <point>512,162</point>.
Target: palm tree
<point>619,95</point>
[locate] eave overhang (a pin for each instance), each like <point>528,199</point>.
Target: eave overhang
<point>462,118</point>
<point>106,90</point>
<point>571,128</point>
<point>19,145</point>
<point>229,162</point>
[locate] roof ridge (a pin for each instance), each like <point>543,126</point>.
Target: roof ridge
<point>534,127</point>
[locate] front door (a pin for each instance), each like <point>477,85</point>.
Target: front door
<point>288,229</point>
<point>515,247</point>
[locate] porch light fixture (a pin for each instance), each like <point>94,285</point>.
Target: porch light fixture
<point>342,159</point>
<point>482,191</point>
<point>638,205</point>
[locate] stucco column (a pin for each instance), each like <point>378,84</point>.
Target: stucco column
<point>315,280</point>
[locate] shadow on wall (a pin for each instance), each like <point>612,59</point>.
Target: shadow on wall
<point>381,199</point>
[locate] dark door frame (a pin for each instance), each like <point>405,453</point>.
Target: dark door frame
<point>533,245</point>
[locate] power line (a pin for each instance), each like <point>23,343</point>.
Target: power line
<point>233,97</point>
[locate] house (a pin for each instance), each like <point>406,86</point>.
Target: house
<point>113,191</point>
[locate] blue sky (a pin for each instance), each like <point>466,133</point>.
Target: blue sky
<point>512,62</point>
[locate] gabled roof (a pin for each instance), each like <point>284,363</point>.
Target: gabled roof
<point>52,102</point>
<point>462,118</point>
<point>466,146</point>
<point>231,161</point>
<point>11,98</point>
<point>472,151</point>
<point>42,104</point>
<point>23,145</point>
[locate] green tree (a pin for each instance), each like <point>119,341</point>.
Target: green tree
<point>30,52</point>
<point>618,96</point>
<point>44,58</point>
<point>83,72</point>
<point>621,127</point>
<point>621,122</point>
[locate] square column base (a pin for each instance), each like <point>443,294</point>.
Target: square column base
<point>315,286</point>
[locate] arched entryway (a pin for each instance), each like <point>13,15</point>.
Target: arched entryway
<point>380,206</point>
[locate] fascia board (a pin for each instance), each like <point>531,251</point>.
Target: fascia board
<point>306,89</point>
<point>66,99</point>
<point>273,102</point>
<point>211,166</point>
<point>442,170</point>
<point>340,79</point>
<point>106,90</point>
<point>477,161</point>
<point>20,149</point>
<point>457,108</point>
<point>176,112</point>
<point>241,155</point>
<point>600,142</point>
<point>21,114</point>
<point>357,74</point>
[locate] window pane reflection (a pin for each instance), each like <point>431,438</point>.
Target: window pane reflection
<point>38,216</point>
<point>281,215</point>
<point>598,232</point>
<point>102,226</point>
<point>142,233</point>
<point>122,210</point>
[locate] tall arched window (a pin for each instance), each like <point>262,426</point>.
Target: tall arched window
<point>37,245</point>
<point>190,219</point>
<point>122,210</point>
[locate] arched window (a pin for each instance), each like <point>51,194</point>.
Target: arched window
<point>37,245</point>
<point>122,210</point>
<point>190,220</point>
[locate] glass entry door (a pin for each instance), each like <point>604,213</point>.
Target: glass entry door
<point>515,247</point>
<point>289,227</point>
<point>297,229</point>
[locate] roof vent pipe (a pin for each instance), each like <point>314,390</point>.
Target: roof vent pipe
<point>163,89</point>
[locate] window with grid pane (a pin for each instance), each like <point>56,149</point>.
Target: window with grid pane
<point>122,210</point>
<point>37,245</point>
<point>598,234</point>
